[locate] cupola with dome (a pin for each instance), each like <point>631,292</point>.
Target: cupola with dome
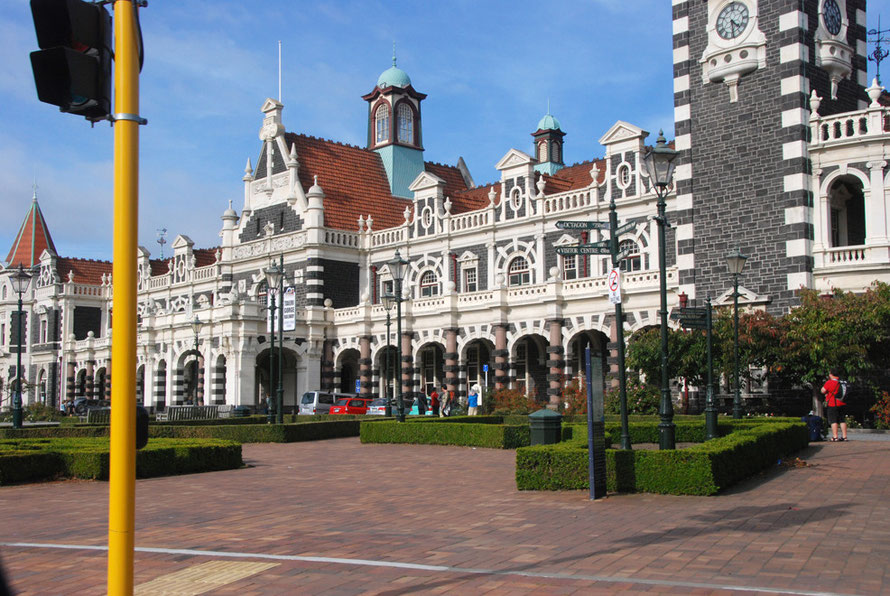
<point>394,127</point>
<point>548,145</point>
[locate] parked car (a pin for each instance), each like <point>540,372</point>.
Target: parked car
<point>351,405</point>
<point>82,404</point>
<point>377,407</point>
<point>320,402</point>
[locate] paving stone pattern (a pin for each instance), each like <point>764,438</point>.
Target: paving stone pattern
<point>819,528</point>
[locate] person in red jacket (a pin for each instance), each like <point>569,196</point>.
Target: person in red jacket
<point>434,402</point>
<point>836,408</point>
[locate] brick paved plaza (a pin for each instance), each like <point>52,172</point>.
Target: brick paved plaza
<point>338,517</point>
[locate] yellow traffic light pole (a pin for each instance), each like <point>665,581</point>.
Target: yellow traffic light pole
<point>122,474</point>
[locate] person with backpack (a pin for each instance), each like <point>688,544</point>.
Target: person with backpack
<point>434,402</point>
<point>835,391</point>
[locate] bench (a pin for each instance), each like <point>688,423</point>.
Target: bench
<point>172,413</point>
<point>98,416</point>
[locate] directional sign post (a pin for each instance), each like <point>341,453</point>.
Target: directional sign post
<point>583,249</point>
<point>582,225</point>
<point>608,247</point>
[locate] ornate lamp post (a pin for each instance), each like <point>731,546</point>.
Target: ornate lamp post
<point>735,262</point>
<point>20,280</point>
<point>273,278</point>
<point>388,302</point>
<point>196,325</point>
<point>397,268</point>
<point>659,163</point>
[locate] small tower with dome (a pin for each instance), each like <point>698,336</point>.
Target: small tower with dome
<point>394,127</point>
<point>548,145</point>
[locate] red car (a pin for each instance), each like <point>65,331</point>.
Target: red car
<point>351,405</point>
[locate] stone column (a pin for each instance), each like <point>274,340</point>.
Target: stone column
<point>407,363</point>
<point>327,366</point>
<point>364,363</point>
<point>71,380</point>
<point>556,363</point>
<point>160,392</point>
<point>451,359</point>
<point>501,356</point>
<point>90,385</point>
<point>218,381</point>
<point>107,381</point>
<point>200,381</point>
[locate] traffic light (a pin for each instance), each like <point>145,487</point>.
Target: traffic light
<point>72,69</point>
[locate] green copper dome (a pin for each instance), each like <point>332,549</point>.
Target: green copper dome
<point>548,122</point>
<point>393,77</point>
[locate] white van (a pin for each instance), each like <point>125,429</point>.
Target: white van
<point>320,402</point>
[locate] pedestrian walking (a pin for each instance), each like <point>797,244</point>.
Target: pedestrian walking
<point>473,401</point>
<point>434,402</point>
<point>447,404</point>
<point>836,409</point>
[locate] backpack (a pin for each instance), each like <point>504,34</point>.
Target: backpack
<point>842,391</point>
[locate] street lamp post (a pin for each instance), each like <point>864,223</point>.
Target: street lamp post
<point>397,268</point>
<point>388,302</point>
<point>273,277</point>
<point>20,279</point>
<point>196,325</point>
<point>659,163</point>
<point>735,262</point>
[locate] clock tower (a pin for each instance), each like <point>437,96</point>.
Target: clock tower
<point>744,73</point>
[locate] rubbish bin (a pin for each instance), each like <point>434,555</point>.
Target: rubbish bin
<point>814,426</point>
<point>546,427</point>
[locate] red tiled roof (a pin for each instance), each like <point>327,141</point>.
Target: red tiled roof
<point>475,198</point>
<point>354,183</point>
<point>203,257</point>
<point>574,176</point>
<point>86,271</point>
<point>454,180</point>
<point>33,238</point>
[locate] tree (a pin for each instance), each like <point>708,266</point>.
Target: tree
<point>842,329</point>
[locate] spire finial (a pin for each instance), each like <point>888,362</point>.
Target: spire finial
<point>548,105</point>
<point>394,54</point>
<point>34,186</point>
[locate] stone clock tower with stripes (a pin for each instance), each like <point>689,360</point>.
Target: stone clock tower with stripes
<point>745,73</point>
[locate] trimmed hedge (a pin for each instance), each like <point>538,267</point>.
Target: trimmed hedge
<point>448,431</point>
<point>263,433</point>
<point>28,460</point>
<point>703,469</point>
<point>329,428</point>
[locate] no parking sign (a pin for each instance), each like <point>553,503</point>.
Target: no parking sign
<point>615,285</point>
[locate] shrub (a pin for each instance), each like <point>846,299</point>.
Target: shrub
<point>513,401</point>
<point>462,431</point>
<point>705,469</point>
<point>574,398</point>
<point>333,427</point>
<point>641,399</point>
<point>881,410</point>
<point>25,460</point>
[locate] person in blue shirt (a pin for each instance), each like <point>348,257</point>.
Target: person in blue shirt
<point>473,401</point>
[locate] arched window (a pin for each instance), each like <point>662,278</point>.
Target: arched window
<point>429,285</point>
<point>406,124</point>
<point>633,262</point>
<point>542,151</point>
<point>555,152</point>
<point>518,274</point>
<point>382,120</point>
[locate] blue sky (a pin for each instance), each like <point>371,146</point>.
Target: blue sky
<point>489,69</point>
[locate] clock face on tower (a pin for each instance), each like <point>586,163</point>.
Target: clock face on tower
<point>831,14</point>
<point>733,20</point>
